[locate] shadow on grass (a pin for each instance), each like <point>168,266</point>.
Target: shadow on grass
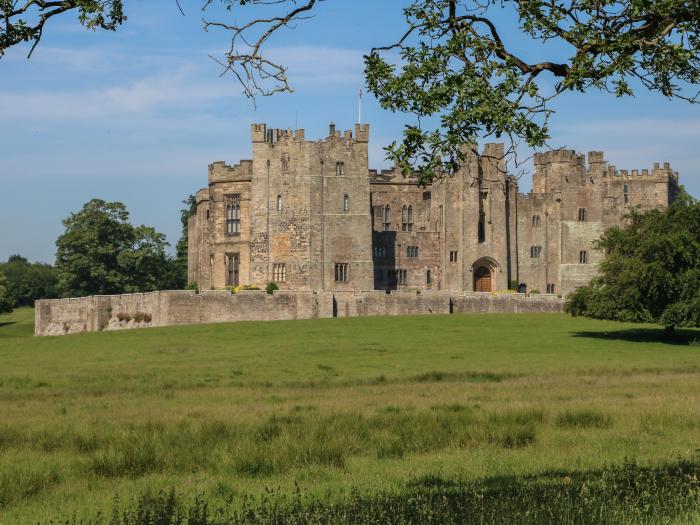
<point>645,335</point>
<point>628,493</point>
<point>7,323</point>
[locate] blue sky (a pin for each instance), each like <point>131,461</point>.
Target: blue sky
<point>137,115</point>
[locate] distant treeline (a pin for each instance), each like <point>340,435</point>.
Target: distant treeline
<point>99,252</point>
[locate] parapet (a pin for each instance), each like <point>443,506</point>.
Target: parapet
<point>260,133</point>
<point>221,172</point>
<point>202,196</point>
<point>657,173</point>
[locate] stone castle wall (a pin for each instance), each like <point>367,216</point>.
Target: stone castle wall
<point>171,308</point>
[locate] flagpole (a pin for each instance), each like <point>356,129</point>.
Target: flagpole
<point>359,108</point>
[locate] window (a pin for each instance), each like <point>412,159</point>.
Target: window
<point>428,277</point>
<point>412,251</point>
<point>582,215</point>
<point>550,288</point>
<point>207,214</point>
<point>232,269</point>
<point>233,214</point>
<point>453,257</point>
<point>346,202</point>
<point>400,276</point>
<point>625,191</point>
<point>439,218</point>
<point>426,195</point>
<point>535,251</point>
<point>535,221</point>
<point>379,252</point>
<point>285,162</point>
<point>340,168</point>
<point>407,218</point>
<point>341,272</point>
<point>279,273</point>
<point>279,202</point>
<point>482,228</point>
<point>379,274</point>
<point>386,223</point>
<point>583,257</point>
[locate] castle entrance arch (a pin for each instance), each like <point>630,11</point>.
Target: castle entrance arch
<point>482,279</point>
<point>483,274</point>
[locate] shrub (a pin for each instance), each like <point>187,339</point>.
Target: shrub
<point>534,292</point>
<point>138,317</point>
<point>271,287</point>
<point>583,419</point>
<point>194,287</point>
<point>513,285</point>
<point>147,317</point>
<point>123,316</point>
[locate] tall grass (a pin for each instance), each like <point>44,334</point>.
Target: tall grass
<point>627,494</point>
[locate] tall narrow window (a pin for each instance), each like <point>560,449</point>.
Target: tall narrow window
<point>340,168</point>
<point>386,223</point>
<point>535,251</point>
<point>583,257</point>
<point>550,288</point>
<point>428,277</point>
<point>482,228</point>
<point>232,269</point>
<point>407,218</point>
<point>285,161</point>
<point>582,215</point>
<point>346,202</point>
<point>279,202</point>
<point>453,256</point>
<point>535,220</point>
<point>341,272</point>
<point>412,251</point>
<point>625,192</point>
<point>279,273</point>
<point>233,214</point>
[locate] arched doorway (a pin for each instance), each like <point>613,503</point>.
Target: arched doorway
<point>482,279</point>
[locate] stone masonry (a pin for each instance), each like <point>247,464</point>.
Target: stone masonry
<point>312,216</point>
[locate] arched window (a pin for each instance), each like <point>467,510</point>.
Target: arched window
<point>535,251</point>
<point>346,202</point>
<point>233,214</point>
<point>582,215</point>
<point>386,223</point>
<point>279,202</point>
<point>535,220</point>
<point>407,218</point>
<point>340,168</point>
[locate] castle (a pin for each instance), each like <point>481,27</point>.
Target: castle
<point>311,215</point>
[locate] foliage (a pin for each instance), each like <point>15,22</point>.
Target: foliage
<point>5,299</point>
<point>101,253</point>
<point>271,287</point>
<point>193,286</point>
<point>462,68</point>
<point>24,21</point>
<point>651,270</point>
<point>28,282</point>
<point>235,289</point>
<point>180,262</point>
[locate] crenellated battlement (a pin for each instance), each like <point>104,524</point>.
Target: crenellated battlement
<point>657,173</point>
<point>260,133</point>
<point>219,171</point>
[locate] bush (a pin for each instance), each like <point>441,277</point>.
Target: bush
<point>194,287</point>
<point>513,285</point>
<point>271,287</point>
<point>122,316</point>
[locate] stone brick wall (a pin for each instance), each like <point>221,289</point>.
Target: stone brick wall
<point>170,308</point>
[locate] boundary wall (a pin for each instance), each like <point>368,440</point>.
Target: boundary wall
<point>171,308</point>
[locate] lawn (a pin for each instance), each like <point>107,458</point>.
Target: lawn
<point>333,408</point>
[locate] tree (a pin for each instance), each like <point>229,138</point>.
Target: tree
<point>180,262</point>
<point>100,252</point>
<point>651,270</point>
<point>5,301</point>
<point>462,64</point>
<point>28,282</point>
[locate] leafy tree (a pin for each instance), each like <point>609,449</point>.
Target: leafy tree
<point>5,301</point>
<point>463,67</point>
<point>180,262</point>
<point>100,252</point>
<point>28,282</point>
<point>651,271</point>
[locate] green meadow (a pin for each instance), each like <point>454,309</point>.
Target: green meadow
<point>411,414</point>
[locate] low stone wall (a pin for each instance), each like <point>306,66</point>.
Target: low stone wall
<point>170,308</point>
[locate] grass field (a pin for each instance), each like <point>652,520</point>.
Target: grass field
<point>335,407</point>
